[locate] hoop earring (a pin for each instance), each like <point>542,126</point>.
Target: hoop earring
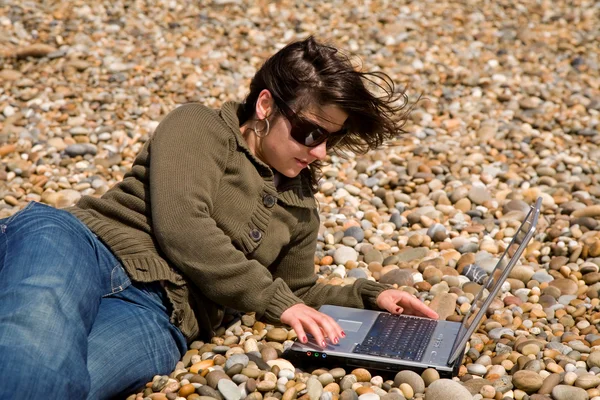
<point>265,130</point>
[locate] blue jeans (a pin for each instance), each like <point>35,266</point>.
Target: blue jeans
<point>72,324</point>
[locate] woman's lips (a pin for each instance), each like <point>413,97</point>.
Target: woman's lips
<point>301,163</point>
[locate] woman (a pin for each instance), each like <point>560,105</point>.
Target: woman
<point>216,213</point>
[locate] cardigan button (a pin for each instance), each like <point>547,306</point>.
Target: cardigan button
<point>255,234</point>
<point>269,200</point>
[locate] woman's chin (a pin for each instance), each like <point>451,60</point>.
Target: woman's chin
<point>291,172</point>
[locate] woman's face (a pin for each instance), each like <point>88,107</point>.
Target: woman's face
<point>282,152</point>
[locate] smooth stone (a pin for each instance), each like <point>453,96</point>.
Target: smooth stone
<point>474,386</point>
<point>229,390</point>
<point>444,304</point>
<point>348,394</point>
<point>429,376</point>
<point>476,369</point>
<point>587,381</point>
<point>337,373</point>
<point>393,396</point>
<point>411,254</point>
<point>358,273</point>
<point>565,392</point>
<point>314,388</point>
<point>593,359</point>
<point>373,256</point>
<point>347,382</point>
<point>343,254</point>
<point>566,286</point>
<point>80,149</point>
<point>447,389</point>
<point>479,195</point>
<point>237,359</point>
<point>412,378</point>
<point>277,335</point>
<point>213,377</point>
<point>239,378</point>
<point>268,353</point>
<point>527,381</point>
<point>235,370</point>
<point>361,374</point>
<point>437,231</point>
<point>206,390</point>
<point>549,383</point>
<point>356,232</point>
<point>281,363</point>
<point>260,363</point>
<point>369,396</point>
<point>496,333</point>
<point>542,276</point>
<point>160,383</point>
<point>221,349</point>
<point>325,379</point>
<point>401,277</point>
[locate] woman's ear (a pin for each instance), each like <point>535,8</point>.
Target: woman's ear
<point>264,104</point>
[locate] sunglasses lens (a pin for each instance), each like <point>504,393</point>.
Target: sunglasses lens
<point>314,138</point>
<point>310,134</point>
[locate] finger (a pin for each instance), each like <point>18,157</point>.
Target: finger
<point>299,329</point>
<point>331,328</point>
<point>421,309</point>
<point>315,330</point>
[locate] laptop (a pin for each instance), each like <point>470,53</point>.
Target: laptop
<point>382,341</point>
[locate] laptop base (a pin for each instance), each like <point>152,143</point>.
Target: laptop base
<point>315,360</point>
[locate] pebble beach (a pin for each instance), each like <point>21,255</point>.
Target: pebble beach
<point>506,108</point>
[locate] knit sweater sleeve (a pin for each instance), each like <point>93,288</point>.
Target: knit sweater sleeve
<point>296,267</point>
<point>188,158</point>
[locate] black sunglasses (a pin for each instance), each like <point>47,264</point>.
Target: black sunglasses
<point>307,132</point>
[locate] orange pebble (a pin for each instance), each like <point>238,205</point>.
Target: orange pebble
<point>186,390</point>
<point>327,260</point>
<point>363,390</point>
<point>202,365</point>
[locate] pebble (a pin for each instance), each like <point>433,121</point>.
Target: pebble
<point>429,376</point>
<point>564,392</point>
<point>444,304</point>
<point>344,254</point>
<point>411,378</point>
<point>229,390</point>
<point>527,381</point>
<point>448,390</point>
<point>314,388</point>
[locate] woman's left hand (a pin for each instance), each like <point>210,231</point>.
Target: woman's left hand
<point>401,302</point>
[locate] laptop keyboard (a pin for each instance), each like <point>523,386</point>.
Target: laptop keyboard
<point>398,337</point>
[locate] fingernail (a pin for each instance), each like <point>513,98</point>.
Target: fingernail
<point>323,344</point>
<point>336,340</point>
<point>304,339</point>
<point>343,334</point>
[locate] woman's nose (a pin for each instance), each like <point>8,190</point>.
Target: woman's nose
<point>319,152</point>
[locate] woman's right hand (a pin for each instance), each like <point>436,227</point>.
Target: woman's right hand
<point>304,318</point>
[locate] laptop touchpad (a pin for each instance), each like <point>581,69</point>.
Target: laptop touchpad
<point>350,326</point>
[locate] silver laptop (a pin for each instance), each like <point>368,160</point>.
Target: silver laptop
<point>382,341</point>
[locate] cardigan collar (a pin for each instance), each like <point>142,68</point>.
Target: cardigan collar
<point>291,191</point>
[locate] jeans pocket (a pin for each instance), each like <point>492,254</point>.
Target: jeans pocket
<point>119,280</point>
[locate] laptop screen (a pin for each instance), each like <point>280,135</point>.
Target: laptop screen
<point>492,285</point>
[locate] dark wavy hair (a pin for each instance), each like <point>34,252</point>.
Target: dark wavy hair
<point>308,72</point>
